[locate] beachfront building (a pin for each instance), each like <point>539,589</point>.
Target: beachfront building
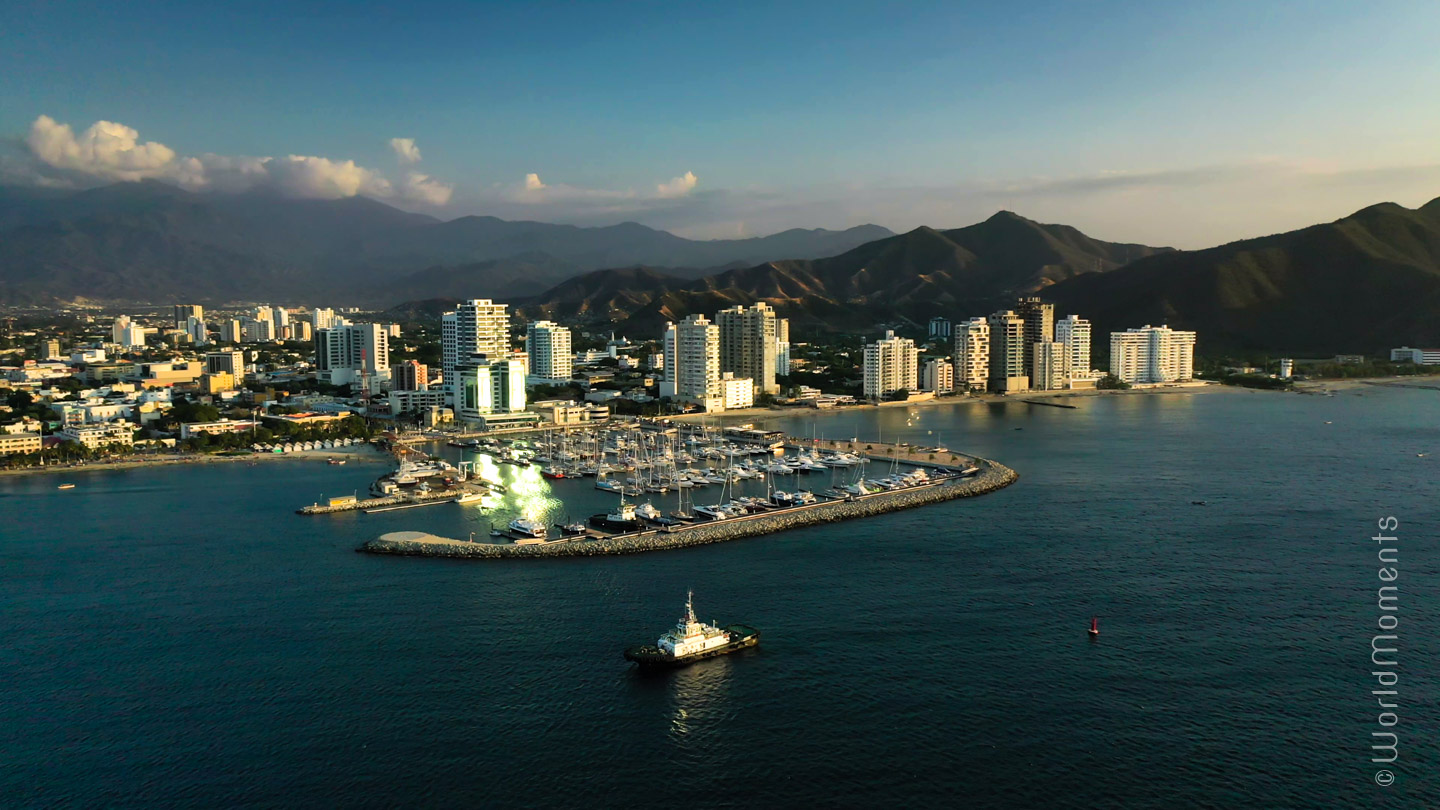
<point>478,326</point>
<point>1039,320</point>
<point>1420,357</point>
<point>20,442</point>
<point>890,365</point>
<point>937,376</point>
<point>94,437</point>
<point>192,429</point>
<point>972,355</point>
<point>732,392</point>
<point>1052,366</point>
<point>696,363</point>
<point>1152,354</point>
<point>547,345</point>
<point>1008,371</point>
<point>748,338</point>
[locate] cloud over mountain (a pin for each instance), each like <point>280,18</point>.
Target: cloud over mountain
<point>108,151</point>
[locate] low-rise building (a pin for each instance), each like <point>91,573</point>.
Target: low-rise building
<point>1420,357</point>
<point>190,429</point>
<point>11,443</point>
<point>733,392</point>
<point>94,437</point>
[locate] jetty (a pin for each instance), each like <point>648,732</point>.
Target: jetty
<point>988,476</point>
<point>1047,404</point>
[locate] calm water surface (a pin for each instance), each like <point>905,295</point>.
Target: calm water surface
<point>182,638</point>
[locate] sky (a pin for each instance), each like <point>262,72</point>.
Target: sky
<point>1141,122</point>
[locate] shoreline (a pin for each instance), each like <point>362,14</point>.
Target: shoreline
<point>982,399</point>
<point>365,456</point>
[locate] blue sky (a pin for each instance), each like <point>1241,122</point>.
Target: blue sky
<point>1181,126</point>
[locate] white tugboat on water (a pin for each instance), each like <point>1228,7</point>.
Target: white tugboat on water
<point>693,640</point>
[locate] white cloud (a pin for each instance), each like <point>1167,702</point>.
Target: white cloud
<point>423,188</point>
<point>109,152</point>
<point>532,182</point>
<point>405,150</point>
<point>677,187</point>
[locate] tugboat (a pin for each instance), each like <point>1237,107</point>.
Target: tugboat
<point>692,640</point>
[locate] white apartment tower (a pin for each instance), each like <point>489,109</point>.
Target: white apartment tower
<point>344,353</point>
<point>478,326</point>
<point>322,318</point>
<point>1052,365</point>
<point>1152,354</point>
<point>748,337</point>
<point>937,376</point>
<point>972,354</point>
<point>1074,332</point>
<point>697,357</point>
<point>891,365</point>
<point>547,344</point>
<point>488,384</point>
<point>1008,371</point>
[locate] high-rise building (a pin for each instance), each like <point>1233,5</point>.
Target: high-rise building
<point>1152,354</point>
<point>668,360</point>
<point>184,312</point>
<point>748,338</point>
<point>547,346</point>
<point>1039,320</point>
<point>344,354</point>
<point>231,331</point>
<point>1008,372</point>
<point>195,328</point>
<point>937,375</point>
<point>301,330</point>
<point>259,330</point>
<point>1074,332</point>
<point>1052,366</point>
<point>972,355</point>
<point>410,375</point>
<point>322,318</point>
<point>782,347</point>
<point>232,363</point>
<point>939,328</point>
<point>50,349</point>
<point>697,357</point>
<point>478,326</point>
<point>891,364</point>
<point>486,386</point>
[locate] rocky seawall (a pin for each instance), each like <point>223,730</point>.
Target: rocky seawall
<point>992,476</point>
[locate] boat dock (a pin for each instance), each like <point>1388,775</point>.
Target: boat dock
<point>369,505</point>
<point>989,477</point>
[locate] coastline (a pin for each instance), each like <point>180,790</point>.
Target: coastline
<point>983,399</point>
<point>361,454</point>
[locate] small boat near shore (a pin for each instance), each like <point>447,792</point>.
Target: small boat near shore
<point>66,486</point>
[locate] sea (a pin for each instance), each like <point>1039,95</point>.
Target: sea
<point>182,638</point>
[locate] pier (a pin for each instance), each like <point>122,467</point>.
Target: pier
<point>990,476</point>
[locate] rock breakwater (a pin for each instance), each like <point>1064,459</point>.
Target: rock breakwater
<point>992,476</point>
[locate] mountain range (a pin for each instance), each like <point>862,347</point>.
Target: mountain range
<point>910,276</point>
<point>1364,283</point>
<point>150,241</point>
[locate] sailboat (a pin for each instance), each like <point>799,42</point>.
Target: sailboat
<point>1094,627</point>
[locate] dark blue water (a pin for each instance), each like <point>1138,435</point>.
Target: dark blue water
<point>181,638</point>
